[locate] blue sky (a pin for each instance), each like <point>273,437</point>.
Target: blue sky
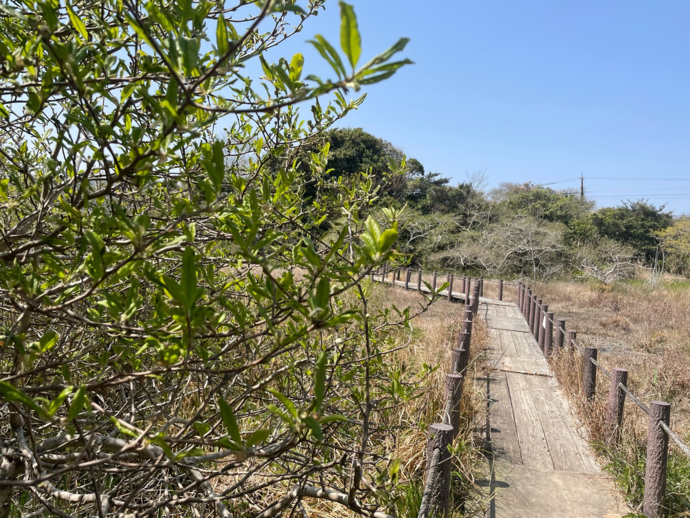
<point>536,90</point>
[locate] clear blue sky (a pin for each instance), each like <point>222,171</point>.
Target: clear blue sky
<point>535,90</point>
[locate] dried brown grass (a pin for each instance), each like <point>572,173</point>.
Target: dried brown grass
<point>646,332</point>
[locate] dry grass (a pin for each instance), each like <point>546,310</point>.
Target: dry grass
<point>433,336</point>
<point>646,332</point>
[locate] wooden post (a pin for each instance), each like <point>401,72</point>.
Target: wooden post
<point>481,286</point>
<point>440,437</point>
<point>542,325</point>
<point>528,307</point>
<point>407,278</point>
<point>548,334</point>
<point>433,282</point>
<point>570,337</point>
<point>560,333</point>
<point>589,373</point>
<point>468,289</point>
<point>464,348</point>
<point>475,298</point>
<point>657,458</point>
<point>456,360</point>
<point>467,328</point>
<point>532,309</point>
<point>419,280</point>
<point>450,287</point>
<point>614,415</point>
<point>535,317</point>
<point>453,391</point>
<point>519,295</point>
<point>464,283</point>
<point>500,289</point>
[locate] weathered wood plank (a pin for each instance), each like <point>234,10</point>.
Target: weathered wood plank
<point>533,446</point>
<point>507,323</point>
<point>504,437</point>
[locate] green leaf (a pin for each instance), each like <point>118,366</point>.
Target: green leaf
<point>57,402</point>
<point>194,452</point>
<point>296,65</point>
<point>333,418</point>
<point>320,381</point>
<point>323,293</point>
<point>13,394</point>
<point>222,36</point>
<point>314,426</point>
<point>188,280</point>
<point>77,403</point>
<point>201,428</point>
<point>76,22</point>
<point>258,437</point>
<point>228,417</point>
<point>385,56</point>
<point>386,240</point>
<point>329,54</point>
<point>289,405</point>
<point>350,40</point>
<point>48,340</point>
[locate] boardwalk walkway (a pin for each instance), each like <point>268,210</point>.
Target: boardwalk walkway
<point>541,466</point>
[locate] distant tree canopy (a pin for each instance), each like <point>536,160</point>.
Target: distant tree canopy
<point>461,225</point>
<point>634,223</point>
<point>545,203</point>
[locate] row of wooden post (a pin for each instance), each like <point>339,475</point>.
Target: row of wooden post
<point>540,321</point>
<point>436,499</point>
<point>441,435</point>
<point>466,282</point>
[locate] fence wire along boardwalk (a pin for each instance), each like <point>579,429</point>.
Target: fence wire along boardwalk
<point>541,466</point>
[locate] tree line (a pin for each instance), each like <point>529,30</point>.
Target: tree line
<point>516,228</point>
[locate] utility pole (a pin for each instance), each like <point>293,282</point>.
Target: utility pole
<point>582,185</point>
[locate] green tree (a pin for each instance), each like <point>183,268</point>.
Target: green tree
<point>544,203</point>
<point>635,224</point>
<point>675,240</point>
<point>176,335</point>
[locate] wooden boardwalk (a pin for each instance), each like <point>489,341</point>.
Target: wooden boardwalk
<point>541,466</point>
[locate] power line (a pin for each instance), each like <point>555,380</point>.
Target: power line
<point>638,179</point>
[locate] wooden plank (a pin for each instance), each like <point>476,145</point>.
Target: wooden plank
<point>534,449</point>
<point>508,323</point>
<point>527,365</point>
<point>568,450</point>
<point>504,438</point>
<point>527,347</point>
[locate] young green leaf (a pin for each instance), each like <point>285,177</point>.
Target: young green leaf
<point>350,40</point>
<point>289,405</point>
<point>228,417</point>
<point>78,403</point>
<point>76,22</point>
<point>386,240</point>
<point>222,36</point>
<point>56,403</point>
<point>258,437</point>
<point>315,427</point>
<point>13,394</point>
<point>296,65</point>
<point>48,340</point>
